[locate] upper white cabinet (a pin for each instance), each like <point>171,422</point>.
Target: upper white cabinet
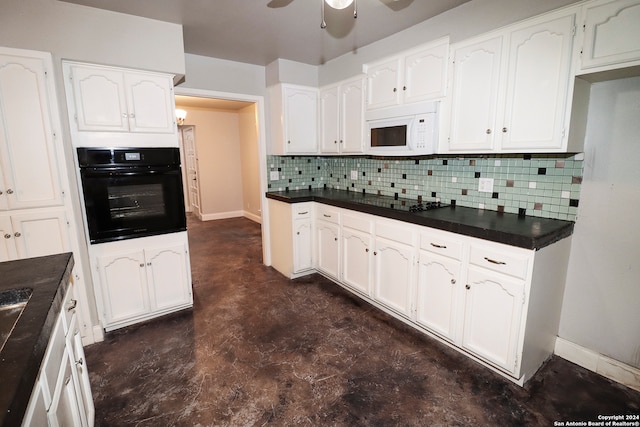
<point>511,90</point>
<point>29,174</point>
<point>118,100</point>
<point>416,75</point>
<point>611,35</point>
<point>342,117</point>
<point>294,119</point>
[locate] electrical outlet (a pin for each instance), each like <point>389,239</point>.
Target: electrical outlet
<point>485,185</point>
<point>354,175</point>
<point>274,175</point>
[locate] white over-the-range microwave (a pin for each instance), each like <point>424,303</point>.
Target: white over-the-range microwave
<point>407,130</point>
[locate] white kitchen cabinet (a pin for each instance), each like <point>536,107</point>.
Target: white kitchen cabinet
<point>62,393</point>
<point>511,90</point>
<point>394,266</point>
<point>342,117</point>
<point>29,175</point>
<point>438,294</point>
<point>327,226</point>
<point>415,75</point>
<point>144,283</point>
<point>108,99</point>
<point>492,315</point>
<point>291,228</point>
<point>357,252</point>
<point>294,119</point>
<point>33,232</point>
<point>611,35</point>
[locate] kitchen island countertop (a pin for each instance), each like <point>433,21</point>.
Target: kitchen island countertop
<point>48,277</point>
<point>523,231</point>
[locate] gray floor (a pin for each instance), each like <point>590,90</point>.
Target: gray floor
<point>258,349</point>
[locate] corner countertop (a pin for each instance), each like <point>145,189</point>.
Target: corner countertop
<point>522,231</point>
<point>23,352</point>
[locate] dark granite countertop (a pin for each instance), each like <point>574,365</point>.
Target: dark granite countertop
<point>522,231</point>
<point>23,352</point>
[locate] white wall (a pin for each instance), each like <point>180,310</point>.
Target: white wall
<point>467,20</point>
<point>223,76</point>
<point>250,167</point>
<point>600,308</point>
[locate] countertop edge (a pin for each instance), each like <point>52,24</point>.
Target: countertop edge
<point>494,235</point>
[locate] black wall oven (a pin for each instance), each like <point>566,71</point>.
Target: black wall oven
<point>131,192</point>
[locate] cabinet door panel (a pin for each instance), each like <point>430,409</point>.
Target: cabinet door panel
<point>393,275</point>
<point>329,121</point>
<point>538,83</point>
<point>150,100</point>
<point>425,74</point>
<point>167,274</point>
<point>301,121</point>
<point>356,260</point>
<point>328,248</point>
<point>438,294</point>
<point>476,77</point>
<point>612,34</point>
<point>352,116</point>
<point>7,244</point>
<point>64,410</point>
<point>100,98</point>
<point>302,249</point>
<point>124,286</point>
<point>493,308</point>
<point>27,154</point>
<point>383,84</point>
<point>40,234</point>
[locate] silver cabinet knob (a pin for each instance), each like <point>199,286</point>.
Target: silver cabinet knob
<point>453,281</point>
<point>142,265</point>
<point>7,236</point>
<point>504,130</point>
<point>9,191</point>
<point>488,131</point>
<point>467,287</point>
<point>17,234</point>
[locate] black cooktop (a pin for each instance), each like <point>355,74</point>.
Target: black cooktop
<point>426,206</point>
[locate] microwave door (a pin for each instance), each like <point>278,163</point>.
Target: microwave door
<point>389,136</point>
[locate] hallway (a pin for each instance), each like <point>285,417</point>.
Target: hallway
<point>258,349</point>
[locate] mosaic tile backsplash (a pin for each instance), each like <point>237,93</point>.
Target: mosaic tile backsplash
<point>535,185</point>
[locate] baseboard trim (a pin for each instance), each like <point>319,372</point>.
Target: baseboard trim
<point>253,217</point>
<point>222,215</point>
<point>607,367</point>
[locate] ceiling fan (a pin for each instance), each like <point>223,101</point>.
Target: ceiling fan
<point>342,4</point>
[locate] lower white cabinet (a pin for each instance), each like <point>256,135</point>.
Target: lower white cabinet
<point>142,278</point>
<point>291,237</point>
<point>62,393</point>
<point>496,303</point>
<point>33,233</point>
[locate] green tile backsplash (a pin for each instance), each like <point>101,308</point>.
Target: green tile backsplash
<point>536,185</point>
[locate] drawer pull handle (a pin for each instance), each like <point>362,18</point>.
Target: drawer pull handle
<point>303,213</point>
<point>72,305</point>
<point>493,261</point>
<point>80,362</point>
<point>326,216</point>
<point>435,245</point>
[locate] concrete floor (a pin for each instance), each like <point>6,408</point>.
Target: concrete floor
<point>258,349</point>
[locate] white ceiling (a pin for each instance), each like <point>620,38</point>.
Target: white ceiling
<point>260,31</point>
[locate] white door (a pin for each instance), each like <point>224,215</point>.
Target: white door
<point>356,260</point>
<point>475,91</point>
<point>425,73</point>
<point>302,249</point>
<point>436,307</point>
<point>168,277</point>
<point>123,282</point>
<point>328,237</point>
<point>64,411</point>
<point>27,151</point>
<point>329,129</point>
<point>151,103</point>
<point>191,160</point>
<point>538,85</point>
<point>301,121</point>
<point>42,233</point>
<point>7,245</point>
<point>383,88</point>
<point>394,275</point>
<point>100,99</point>
<point>493,308</point>
<point>352,116</point>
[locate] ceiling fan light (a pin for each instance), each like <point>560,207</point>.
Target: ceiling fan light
<point>339,4</point>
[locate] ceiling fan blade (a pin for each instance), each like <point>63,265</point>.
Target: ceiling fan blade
<point>278,3</point>
<point>396,5</point>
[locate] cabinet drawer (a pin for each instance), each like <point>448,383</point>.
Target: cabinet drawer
<point>53,359</point>
<point>328,213</point>
<point>392,231</point>
<point>514,263</point>
<point>360,222</point>
<point>301,211</point>
<point>442,244</point>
